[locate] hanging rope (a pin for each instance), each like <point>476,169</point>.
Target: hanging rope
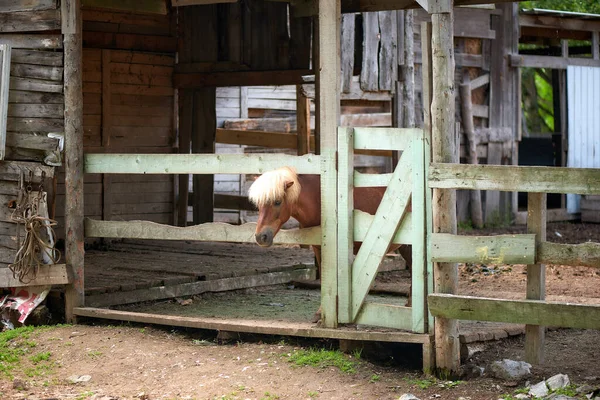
<point>35,246</point>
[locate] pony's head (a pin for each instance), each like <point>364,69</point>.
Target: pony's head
<point>275,193</point>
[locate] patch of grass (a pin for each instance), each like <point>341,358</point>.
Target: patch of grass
<point>14,344</point>
<point>570,391</point>
<point>38,370</point>
<point>422,384</point>
<point>375,378</point>
<point>269,396</point>
<point>357,353</point>
<point>36,358</point>
<point>84,395</point>
<point>313,394</point>
<point>94,354</point>
<point>322,358</point>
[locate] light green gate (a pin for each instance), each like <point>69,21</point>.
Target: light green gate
<point>402,218</point>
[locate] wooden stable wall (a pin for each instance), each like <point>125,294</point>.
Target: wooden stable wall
<point>36,103</point>
<point>128,63</point>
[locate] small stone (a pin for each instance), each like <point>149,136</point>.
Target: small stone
<point>79,378</point>
<point>19,384</point>
<point>539,389</point>
<point>522,396</point>
<point>560,397</point>
<point>510,369</point>
<point>585,389</point>
<point>470,371</point>
<point>558,381</point>
<point>408,396</point>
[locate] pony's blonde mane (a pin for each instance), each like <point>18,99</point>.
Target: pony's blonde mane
<point>271,186</point>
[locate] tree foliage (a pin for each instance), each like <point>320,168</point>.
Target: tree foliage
<point>583,6</point>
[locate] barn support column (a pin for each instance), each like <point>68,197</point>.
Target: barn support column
<point>327,86</point>
<point>74,249</point>
<point>445,150</point>
<point>204,129</point>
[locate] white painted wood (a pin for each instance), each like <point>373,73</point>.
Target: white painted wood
<point>583,105</point>
<point>5,50</point>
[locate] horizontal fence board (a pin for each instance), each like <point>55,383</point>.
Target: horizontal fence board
<point>385,315</point>
<point>584,254</point>
<point>384,138</point>
<point>531,312</point>
<point>26,97</point>
<point>37,57</point>
<point>271,327</point>
<point>29,21</point>
<point>55,274</point>
<point>515,178</point>
<point>500,249</point>
<point>197,163</point>
<point>212,232</point>
<point>371,180</point>
<point>362,221</point>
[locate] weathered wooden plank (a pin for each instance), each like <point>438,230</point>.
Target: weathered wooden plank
<point>11,170</point>
<point>195,288</point>
<point>37,57</point>
<point>500,249</point>
<point>29,141</point>
<point>35,124</point>
<point>385,315</point>
<point>515,178</point>
<point>30,21</point>
<point>520,60</point>
<point>55,274</point>
<point>241,78</point>
<point>371,180</point>
<point>584,254</point>
<point>307,329</point>
<point>128,41</point>
<point>389,214</point>
<point>32,41</point>
<point>384,138</point>
<point>533,312</point>
<point>258,138</point>
<point>362,222</point>
<point>5,53</point>
<point>217,232</point>
<point>198,163</point>
<point>388,63</point>
<point>369,75</point>
<point>347,45</point>
<point>36,71</point>
<point>35,85</point>
<point>36,110</point>
<point>26,5</point>
<point>536,276</point>
<point>150,7</point>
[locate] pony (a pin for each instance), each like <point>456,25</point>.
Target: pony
<point>282,193</point>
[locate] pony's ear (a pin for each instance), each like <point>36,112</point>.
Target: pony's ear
<point>288,184</point>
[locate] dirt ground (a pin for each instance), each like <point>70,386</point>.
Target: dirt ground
<point>143,362</point>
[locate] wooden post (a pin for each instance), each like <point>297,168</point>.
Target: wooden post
<point>596,45</point>
<point>467,119</point>
<point>204,129</point>
<point>186,111</point>
<point>444,201</point>
<point>536,276</point>
<point>327,77</point>
<point>74,240</point>
<point>408,72</point>
<point>302,121</point>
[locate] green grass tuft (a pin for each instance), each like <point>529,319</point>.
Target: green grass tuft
<point>321,358</point>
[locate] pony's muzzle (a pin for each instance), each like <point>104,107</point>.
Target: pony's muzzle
<point>264,238</point>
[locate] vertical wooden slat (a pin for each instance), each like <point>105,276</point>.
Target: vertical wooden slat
<point>369,75</point>
<point>419,256</point>
<point>244,102</point>
<point>74,251</point>
<point>302,121</point>
<point>408,72</point>
<point>444,201</point>
<point>5,52</point>
<point>345,222</point>
<point>596,45</point>
<point>388,62</point>
<point>328,82</point>
<point>348,22</point>
<point>186,110</point>
<point>106,132</point>
<point>204,129</point>
<point>536,276</point>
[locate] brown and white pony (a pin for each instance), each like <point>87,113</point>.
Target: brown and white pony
<point>281,194</point>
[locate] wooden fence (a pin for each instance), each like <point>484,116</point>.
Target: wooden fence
<point>531,249</point>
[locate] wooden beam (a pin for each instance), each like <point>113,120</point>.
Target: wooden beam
<point>214,232</point>
<point>444,149</point>
<point>533,312</point>
<point>558,23</point>
<point>182,3</point>
<point>240,78</point>
<point>517,60</point>
<point>74,212</point>
<point>5,52</point>
<point>147,6</point>
<point>536,276</point>
<point>584,254</point>
<point>500,249</point>
<point>233,202</point>
<point>515,178</point>
<point>56,274</point>
<point>185,120</point>
<point>303,136</point>
<point>254,326</point>
<point>195,288</point>
<point>328,110</point>
<point>197,163</point>
<point>203,142</point>
<point>596,45</point>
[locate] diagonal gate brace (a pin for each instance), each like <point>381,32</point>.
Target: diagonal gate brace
<point>381,232</point>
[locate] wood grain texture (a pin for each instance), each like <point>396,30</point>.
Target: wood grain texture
<point>495,250</point>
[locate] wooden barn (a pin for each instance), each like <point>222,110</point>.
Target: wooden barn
<point>109,118</point>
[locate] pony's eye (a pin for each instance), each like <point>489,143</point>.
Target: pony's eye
<point>277,202</point>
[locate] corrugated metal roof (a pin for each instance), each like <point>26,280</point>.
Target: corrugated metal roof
<point>558,13</point>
